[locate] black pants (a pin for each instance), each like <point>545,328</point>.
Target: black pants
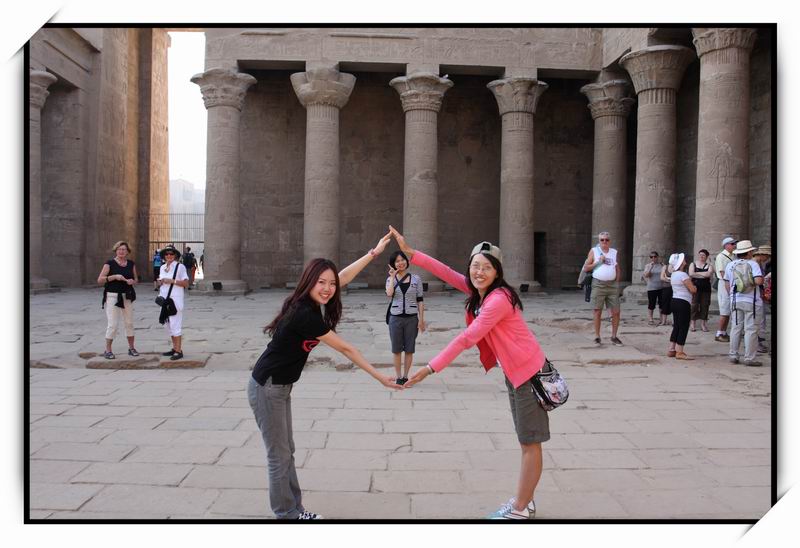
<point>653,298</point>
<point>666,301</point>
<point>681,316</point>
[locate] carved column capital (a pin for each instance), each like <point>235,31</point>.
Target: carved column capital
<point>39,82</point>
<point>657,67</point>
<point>518,94</point>
<point>421,90</point>
<point>223,87</point>
<point>608,98</point>
<point>711,39</point>
<point>323,86</point>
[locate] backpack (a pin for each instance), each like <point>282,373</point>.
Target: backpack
<point>743,280</point>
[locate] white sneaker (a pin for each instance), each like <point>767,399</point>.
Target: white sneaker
<point>507,511</point>
<point>309,515</point>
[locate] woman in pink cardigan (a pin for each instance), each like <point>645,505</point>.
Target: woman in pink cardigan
<point>495,324</point>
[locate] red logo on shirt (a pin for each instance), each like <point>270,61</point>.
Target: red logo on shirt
<point>309,345</point>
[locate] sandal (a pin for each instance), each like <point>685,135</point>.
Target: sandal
<point>682,356</point>
<point>671,353</point>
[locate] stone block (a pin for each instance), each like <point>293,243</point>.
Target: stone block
<point>65,434</point>
<point>134,473</point>
<point>244,503</point>
<point>83,452</point>
<point>176,455</point>
<point>141,436</point>
<point>366,506</point>
<point>596,458</point>
<point>367,441</point>
<point>342,480</point>
<point>418,481</point>
<point>211,437</point>
<point>226,477</point>
<point>138,500</point>
<point>54,471</point>
<point>451,442</point>
<point>59,496</point>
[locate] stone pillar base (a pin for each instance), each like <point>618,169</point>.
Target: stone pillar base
<point>635,294</point>
<point>533,286</point>
<point>434,286</point>
<point>37,286</point>
<point>225,287</point>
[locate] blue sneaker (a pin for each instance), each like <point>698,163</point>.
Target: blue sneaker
<point>507,511</point>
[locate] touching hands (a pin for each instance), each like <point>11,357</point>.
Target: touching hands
<point>401,241</point>
<point>382,243</point>
<point>419,376</point>
<point>389,382</point>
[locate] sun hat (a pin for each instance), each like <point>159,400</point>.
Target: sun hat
<point>765,249</point>
<point>728,240</point>
<point>676,260</point>
<point>172,249</point>
<point>489,249</point>
<point>743,246</point>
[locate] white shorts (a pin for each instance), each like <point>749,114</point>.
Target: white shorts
<point>724,300</point>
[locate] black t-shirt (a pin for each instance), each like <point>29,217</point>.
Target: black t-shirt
<point>287,352</point>
<point>119,286</point>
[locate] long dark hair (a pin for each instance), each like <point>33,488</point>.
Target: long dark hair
<point>312,272</point>
<point>499,283</point>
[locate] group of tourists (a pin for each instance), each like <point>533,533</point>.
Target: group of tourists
<point>741,274</point>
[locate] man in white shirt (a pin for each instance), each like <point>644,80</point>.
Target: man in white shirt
<point>722,260</point>
<point>743,303</point>
<point>604,268</point>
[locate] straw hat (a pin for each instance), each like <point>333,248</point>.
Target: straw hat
<point>743,246</point>
<point>764,250</point>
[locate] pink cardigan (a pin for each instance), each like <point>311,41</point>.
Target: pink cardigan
<point>499,330</point>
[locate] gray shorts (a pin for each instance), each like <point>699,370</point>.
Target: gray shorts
<point>530,420</point>
<point>403,333</point>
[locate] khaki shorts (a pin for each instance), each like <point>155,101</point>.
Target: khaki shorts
<point>723,299</point>
<point>605,292</point>
<point>530,420</point>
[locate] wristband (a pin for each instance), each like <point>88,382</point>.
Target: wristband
<point>430,368</point>
<point>372,252</point>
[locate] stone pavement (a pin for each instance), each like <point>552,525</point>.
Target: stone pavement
<point>642,436</point>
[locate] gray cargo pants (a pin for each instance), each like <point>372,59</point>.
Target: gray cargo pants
<point>272,408</point>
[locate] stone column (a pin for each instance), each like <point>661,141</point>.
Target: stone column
<point>421,94</point>
<point>223,94</point>
<point>323,92</point>
<point>39,82</point>
<point>517,99</point>
<point>656,72</point>
<point>610,106</point>
<point>723,166</point>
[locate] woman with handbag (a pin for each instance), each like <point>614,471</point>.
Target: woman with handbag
<point>495,324</point>
<point>700,272</point>
<point>173,279</point>
<point>308,316</point>
<point>118,276</point>
<point>406,312</point>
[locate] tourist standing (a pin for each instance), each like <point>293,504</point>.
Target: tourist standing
<point>666,294</point>
<point>700,272</point>
<point>308,316</point>
<point>652,277</point>
<point>681,306</point>
<point>721,262</point>
<point>118,276</point>
<point>602,263</point>
<point>495,324</point>
<point>156,268</point>
<point>742,277</point>
<point>406,314</point>
<point>762,256</point>
<point>173,275</point>
<point>191,265</point>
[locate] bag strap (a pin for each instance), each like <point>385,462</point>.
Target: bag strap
<point>174,276</point>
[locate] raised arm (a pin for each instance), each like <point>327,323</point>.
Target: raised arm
<point>438,269</point>
<point>350,272</point>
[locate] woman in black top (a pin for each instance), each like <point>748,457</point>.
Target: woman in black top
<point>307,317</point>
<point>118,277</point>
<point>700,272</point>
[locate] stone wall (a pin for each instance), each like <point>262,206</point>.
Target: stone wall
<point>761,140</point>
<point>96,154</point>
